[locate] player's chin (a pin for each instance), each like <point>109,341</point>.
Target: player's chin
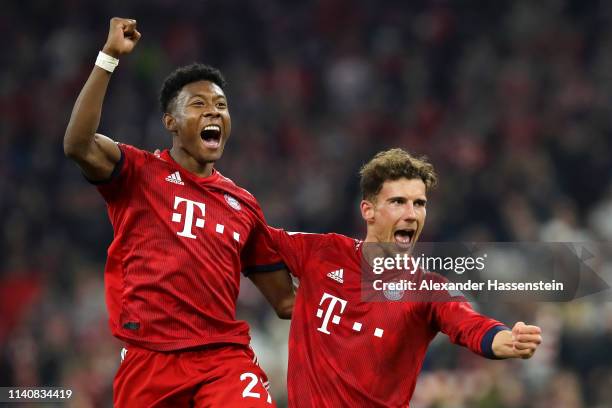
<point>211,155</point>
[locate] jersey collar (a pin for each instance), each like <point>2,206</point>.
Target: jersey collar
<point>165,156</point>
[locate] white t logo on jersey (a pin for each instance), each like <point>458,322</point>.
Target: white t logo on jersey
<point>330,308</point>
<point>189,215</point>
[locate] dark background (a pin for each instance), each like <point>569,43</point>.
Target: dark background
<point>509,99</point>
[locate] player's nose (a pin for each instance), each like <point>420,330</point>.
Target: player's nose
<point>213,112</point>
<point>409,212</point>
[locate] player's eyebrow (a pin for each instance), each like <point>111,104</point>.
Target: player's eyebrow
<point>215,97</point>
<point>402,199</point>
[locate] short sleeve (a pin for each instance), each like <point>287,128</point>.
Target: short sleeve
<point>259,253</point>
<point>295,248</point>
<point>125,171</point>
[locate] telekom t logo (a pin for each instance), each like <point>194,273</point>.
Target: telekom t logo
<point>330,309</point>
<point>189,210</point>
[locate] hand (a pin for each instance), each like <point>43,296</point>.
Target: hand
<point>525,339</point>
<point>122,37</point>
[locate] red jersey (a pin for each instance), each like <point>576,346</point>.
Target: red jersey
<point>180,242</point>
<point>344,352</point>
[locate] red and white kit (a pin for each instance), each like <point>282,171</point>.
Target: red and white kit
<point>344,352</point>
<point>173,270</point>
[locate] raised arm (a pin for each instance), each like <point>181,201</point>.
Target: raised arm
<point>96,154</point>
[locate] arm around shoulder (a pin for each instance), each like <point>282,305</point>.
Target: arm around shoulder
<point>277,288</point>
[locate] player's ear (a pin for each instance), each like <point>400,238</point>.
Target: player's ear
<point>367,210</point>
<point>169,122</point>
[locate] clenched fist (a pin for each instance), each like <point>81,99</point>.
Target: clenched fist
<point>521,342</point>
<point>525,339</point>
<point>122,37</point>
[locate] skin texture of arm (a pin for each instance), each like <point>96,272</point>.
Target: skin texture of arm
<point>94,153</point>
<point>278,290</point>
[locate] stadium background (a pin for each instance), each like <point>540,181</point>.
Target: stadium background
<point>510,100</point>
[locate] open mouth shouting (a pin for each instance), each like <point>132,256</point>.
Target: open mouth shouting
<point>404,237</point>
<point>211,136</point>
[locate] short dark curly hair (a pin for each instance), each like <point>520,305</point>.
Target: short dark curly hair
<point>185,75</point>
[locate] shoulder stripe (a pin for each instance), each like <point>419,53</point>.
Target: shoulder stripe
<point>298,232</point>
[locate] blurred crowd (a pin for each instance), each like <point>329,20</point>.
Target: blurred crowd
<point>510,100</point>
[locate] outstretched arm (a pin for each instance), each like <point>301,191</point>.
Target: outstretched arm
<point>96,154</point>
<point>521,342</point>
<point>481,334</point>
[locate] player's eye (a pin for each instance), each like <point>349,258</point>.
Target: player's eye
<point>221,105</point>
<point>420,203</point>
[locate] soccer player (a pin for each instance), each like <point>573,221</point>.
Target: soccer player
<point>182,235</point>
<point>345,352</point>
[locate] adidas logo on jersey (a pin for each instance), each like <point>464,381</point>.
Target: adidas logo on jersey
<point>338,275</point>
<point>175,178</point>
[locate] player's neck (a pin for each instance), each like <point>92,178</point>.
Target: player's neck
<point>190,164</point>
<point>370,237</point>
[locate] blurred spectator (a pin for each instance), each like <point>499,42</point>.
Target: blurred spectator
<point>509,99</point>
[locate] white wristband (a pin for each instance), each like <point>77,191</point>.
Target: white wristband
<point>106,62</point>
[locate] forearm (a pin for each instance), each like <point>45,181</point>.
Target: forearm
<point>96,154</point>
<point>278,290</point>
<point>466,327</point>
<point>284,308</point>
<point>502,345</point>
<point>86,114</point>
